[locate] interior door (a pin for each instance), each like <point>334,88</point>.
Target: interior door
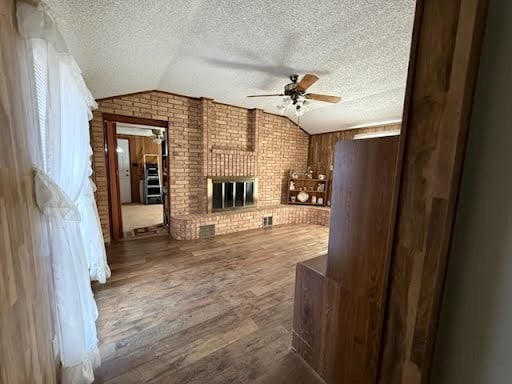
<point>123,159</point>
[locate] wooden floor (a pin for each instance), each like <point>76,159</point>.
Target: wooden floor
<point>205,311</point>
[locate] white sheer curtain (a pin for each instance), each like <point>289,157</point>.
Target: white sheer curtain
<point>65,193</point>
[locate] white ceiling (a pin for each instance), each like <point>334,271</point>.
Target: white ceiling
<point>136,129</point>
<point>227,49</point>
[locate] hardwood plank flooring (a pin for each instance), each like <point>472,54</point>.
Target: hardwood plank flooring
<point>206,311</point>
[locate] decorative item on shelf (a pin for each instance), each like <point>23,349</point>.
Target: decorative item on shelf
<point>309,173</point>
<point>303,196</point>
<point>322,177</point>
<point>305,185</point>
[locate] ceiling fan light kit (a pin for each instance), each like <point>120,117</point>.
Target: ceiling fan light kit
<point>158,136</point>
<point>301,106</point>
<point>296,96</point>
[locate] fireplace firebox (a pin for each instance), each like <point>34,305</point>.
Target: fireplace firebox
<point>230,193</point>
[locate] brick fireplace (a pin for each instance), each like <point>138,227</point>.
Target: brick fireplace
<point>232,193</point>
<point>208,140</point>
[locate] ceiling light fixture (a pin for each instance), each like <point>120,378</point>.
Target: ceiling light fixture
<point>376,124</point>
<point>299,104</point>
<point>159,136</point>
<point>371,135</point>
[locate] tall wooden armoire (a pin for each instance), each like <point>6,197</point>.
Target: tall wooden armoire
<point>340,297</point>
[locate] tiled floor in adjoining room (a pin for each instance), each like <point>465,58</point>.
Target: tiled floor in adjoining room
<point>139,217</point>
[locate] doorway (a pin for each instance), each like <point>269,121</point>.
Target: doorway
<point>137,168</point>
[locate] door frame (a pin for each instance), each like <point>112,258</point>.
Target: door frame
<point>114,193</point>
<point>443,67</point>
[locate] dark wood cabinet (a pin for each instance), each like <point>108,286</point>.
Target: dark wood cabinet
<point>340,298</point>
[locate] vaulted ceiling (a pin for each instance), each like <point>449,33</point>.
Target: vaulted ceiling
<point>227,50</point>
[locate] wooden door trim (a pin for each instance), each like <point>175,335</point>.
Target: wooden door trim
<point>135,120</point>
<point>445,55</point>
<point>114,193</point>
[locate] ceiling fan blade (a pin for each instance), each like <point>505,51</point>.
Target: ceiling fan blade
<point>307,81</point>
<point>276,94</point>
<point>326,98</point>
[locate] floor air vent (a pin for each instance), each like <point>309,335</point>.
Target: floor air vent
<point>206,231</point>
<point>267,221</point>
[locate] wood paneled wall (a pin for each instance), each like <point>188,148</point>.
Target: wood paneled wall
<point>446,50</point>
<point>140,145</point>
<point>321,146</point>
<point>26,354</point>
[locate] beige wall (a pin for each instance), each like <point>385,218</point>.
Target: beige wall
<point>26,354</point>
<point>474,343</point>
<point>207,139</point>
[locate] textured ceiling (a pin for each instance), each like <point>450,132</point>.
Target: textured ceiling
<point>226,50</point>
<point>136,130</point>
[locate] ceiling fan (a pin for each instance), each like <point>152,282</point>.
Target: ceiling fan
<point>158,135</point>
<point>295,94</point>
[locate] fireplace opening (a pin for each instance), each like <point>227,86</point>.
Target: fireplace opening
<point>229,193</point>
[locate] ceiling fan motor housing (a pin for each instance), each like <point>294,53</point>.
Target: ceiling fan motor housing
<point>293,91</point>
<point>296,91</point>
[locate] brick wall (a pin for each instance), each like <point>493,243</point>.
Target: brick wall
<point>229,128</point>
<point>230,140</point>
<point>188,227</point>
<point>281,146</point>
<point>207,139</point>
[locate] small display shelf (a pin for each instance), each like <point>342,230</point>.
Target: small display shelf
<point>307,191</point>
